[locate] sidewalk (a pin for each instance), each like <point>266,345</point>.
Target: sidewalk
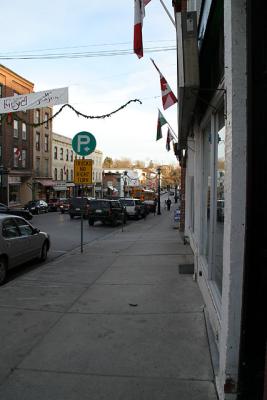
<point>116,322</point>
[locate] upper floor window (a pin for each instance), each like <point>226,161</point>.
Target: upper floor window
<point>16,156</point>
<point>16,128</point>
<point>46,166</point>
<point>55,174</point>
<point>37,166</point>
<point>71,175</point>
<point>71,155</point>
<point>61,174</point>
<point>37,116</point>
<point>67,175</point>
<point>37,141</point>
<point>0,153</point>
<point>1,90</point>
<point>23,158</point>
<point>46,147</point>
<point>67,155</point>
<point>24,131</point>
<point>55,153</point>
<point>46,120</point>
<point>61,153</point>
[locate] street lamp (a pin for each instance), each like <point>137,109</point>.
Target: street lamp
<point>124,183</point>
<point>159,171</point>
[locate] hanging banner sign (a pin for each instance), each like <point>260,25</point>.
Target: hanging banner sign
<point>24,102</point>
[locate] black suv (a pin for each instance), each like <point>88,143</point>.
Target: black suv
<point>15,211</point>
<point>77,205</point>
<point>106,211</point>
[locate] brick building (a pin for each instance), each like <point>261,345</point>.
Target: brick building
<point>16,147</point>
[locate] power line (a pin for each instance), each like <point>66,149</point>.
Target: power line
<point>111,53</point>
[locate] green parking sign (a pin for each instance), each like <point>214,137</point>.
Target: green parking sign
<point>84,143</point>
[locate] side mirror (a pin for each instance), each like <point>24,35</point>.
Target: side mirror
<point>35,230</point>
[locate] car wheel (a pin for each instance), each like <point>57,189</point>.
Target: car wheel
<point>3,270</point>
<point>91,222</point>
<point>44,252</point>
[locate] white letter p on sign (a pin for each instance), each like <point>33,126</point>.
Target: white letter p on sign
<point>83,140</point>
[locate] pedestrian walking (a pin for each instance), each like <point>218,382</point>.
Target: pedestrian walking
<point>168,202</point>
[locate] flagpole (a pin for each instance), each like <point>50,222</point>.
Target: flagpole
<point>176,137</point>
<point>167,12</point>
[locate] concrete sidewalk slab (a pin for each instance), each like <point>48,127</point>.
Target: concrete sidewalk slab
<point>178,296</point>
<point>136,345</point>
<point>20,332</point>
<point>37,385</point>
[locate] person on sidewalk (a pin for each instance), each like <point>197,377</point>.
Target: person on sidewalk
<point>169,202</point>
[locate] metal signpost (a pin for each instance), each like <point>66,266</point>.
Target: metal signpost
<point>83,143</point>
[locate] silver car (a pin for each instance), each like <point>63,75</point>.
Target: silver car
<point>19,243</point>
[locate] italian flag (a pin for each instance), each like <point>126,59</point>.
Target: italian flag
<point>139,13</point>
<point>161,121</point>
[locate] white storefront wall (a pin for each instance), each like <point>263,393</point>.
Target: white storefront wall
<point>221,288</point>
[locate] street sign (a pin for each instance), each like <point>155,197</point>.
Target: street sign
<point>84,143</point>
<point>83,172</point>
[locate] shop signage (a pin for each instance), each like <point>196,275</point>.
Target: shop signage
<point>83,172</point>
<point>60,186</point>
<point>47,98</point>
<point>14,179</point>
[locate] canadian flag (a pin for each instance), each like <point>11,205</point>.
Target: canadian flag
<point>139,13</point>
<point>168,97</point>
<point>17,152</point>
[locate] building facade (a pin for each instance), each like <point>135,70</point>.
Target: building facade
<point>42,183</point>
<point>16,143</point>
<point>63,158</point>
<point>220,147</point>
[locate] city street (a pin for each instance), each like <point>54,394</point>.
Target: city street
<point>65,235</point>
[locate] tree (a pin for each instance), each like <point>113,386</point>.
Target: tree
<point>108,162</point>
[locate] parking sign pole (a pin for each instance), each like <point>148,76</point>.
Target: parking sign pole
<point>82,223</point>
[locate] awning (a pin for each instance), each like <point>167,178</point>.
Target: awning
<point>111,187</point>
<point>46,182</point>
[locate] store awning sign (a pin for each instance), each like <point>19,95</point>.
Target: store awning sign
<point>46,98</point>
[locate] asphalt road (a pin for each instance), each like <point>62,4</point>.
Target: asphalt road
<point>65,235</point>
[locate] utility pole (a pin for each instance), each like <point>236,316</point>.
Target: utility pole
<point>159,171</point>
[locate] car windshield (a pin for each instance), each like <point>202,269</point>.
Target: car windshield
<point>127,202</point>
<point>99,204</point>
<point>32,203</point>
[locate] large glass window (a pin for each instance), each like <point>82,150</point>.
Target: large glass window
<point>24,131</point>
<point>213,196</point>
<point>16,128</point>
<point>23,158</point>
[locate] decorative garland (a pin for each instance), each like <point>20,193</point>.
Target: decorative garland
<point>10,116</point>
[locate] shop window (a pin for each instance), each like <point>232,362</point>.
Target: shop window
<point>23,158</point>
<point>37,141</point>
<point>213,197</point>
<point>24,131</point>
<point>14,193</point>
<point>15,128</point>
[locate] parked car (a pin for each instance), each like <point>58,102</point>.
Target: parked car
<point>77,205</point>
<point>151,205</point>
<point>64,206</point>
<point>37,206</point>
<point>135,208</point>
<point>19,243</point>
<point>15,211</point>
<point>107,211</point>
<point>53,204</point>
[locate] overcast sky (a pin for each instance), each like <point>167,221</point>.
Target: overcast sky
<point>97,85</point>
